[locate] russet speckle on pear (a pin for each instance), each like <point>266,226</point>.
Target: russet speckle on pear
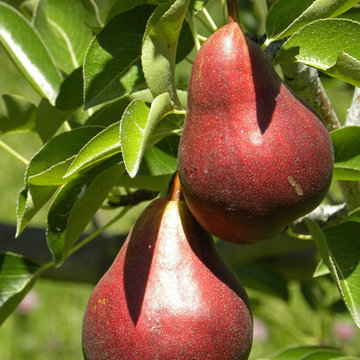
<point>167,296</point>
<point>252,157</point>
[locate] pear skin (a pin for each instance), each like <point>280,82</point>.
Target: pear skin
<point>167,296</point>
<point>252,157</point>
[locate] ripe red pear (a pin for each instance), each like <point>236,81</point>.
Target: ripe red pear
<point>167,296</point>
<point>252,156</point>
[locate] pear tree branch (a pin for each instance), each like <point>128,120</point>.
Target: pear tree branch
<point>353,115</point>
<point>326,214</point>
<point>132,199</point>
<point>351,189</point>
<point>305,82</point>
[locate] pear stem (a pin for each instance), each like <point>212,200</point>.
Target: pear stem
<point>175,194</point>
<point>233,11</point>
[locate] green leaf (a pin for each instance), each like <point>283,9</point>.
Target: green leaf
<point>136,126</point>
<point>49,119</point>
<point>286,17</point>
<point>162,158</point>
<point>100,147</point>
<point>145,182</point>
<point>160,44</point>
<point>302,352</point>
<point>171,124</point>
<point>31,199</point>
<point>109,113</point>
<point>354,215</point>
<point>76,204</point>
<point>353,14</point>
<point>112,111</point>
<point>347,153</point>
<point>52,155</point>
<point>321,270</point>
<point>19,115</point>
<point>54,175</point>
<point>339,57</point>
<point>60,148</point>
<point>17,276</point>
<point>28,52</point>
<point>71,91</point>
<point>62,26</point>
<point>157,168</point>
<point>112,65</point>
<point>126,5</point>
<point>342,258</point>
<point>186,42</point>
<point>263,278</point>
<point>347,69</point>
<point>197,5</point>
<point>100,9</point>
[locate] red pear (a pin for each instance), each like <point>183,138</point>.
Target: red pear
<point>252,156</point>
<point>167,296</point>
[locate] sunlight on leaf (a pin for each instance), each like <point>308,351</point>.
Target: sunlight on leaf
<point>17,276</point>
<point>28,52</point>
<point>136,126</point>
<point>342,258</point>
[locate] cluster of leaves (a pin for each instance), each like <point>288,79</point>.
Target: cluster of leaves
<point>111,109</point>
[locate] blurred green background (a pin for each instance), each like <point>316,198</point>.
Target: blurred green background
<point>47,324</point>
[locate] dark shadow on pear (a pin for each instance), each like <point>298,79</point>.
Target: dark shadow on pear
<point>138,259</point>
<point>266,85</point>
<point>207,253</point>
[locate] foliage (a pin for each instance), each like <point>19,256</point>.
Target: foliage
<point>108,104</point>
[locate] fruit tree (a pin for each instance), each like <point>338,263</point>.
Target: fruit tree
<point>230,130</point>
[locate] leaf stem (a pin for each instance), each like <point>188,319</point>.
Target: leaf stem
<point>193,31</point>
<point>202,38</point>
<point>189,60</point>
<point>209,19</point>
<point>97,14</point>
<point>176,112</point>
<point>295,235</point>
<point>14,153</point>
<point>206,25</point>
